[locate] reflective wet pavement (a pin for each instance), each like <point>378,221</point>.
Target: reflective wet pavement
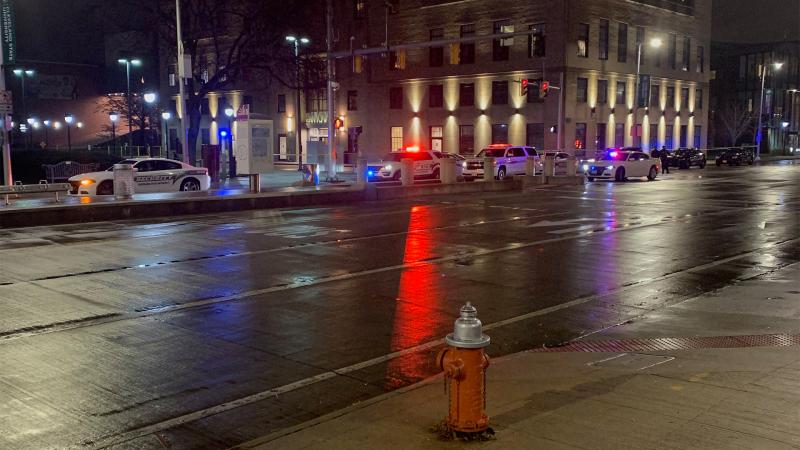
<point>204,332</point>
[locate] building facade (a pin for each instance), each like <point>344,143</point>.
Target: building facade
<point>433,73</point>
<point>738,86</point>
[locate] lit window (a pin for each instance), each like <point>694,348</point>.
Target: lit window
<point>396,134</point>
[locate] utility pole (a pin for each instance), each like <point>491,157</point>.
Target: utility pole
<point>331,131</point>
<point>8,177</point>
<point>181,77</point>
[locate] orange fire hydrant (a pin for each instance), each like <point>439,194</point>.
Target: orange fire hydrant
<point>464,364</point>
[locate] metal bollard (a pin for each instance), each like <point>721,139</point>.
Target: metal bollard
<point>549,166</point>
<point>361,171</point>
<point>464,363</point>
<point>489,168</point>
<point>530,166</point>
<point>407,171</point>
<point>254,180</point>
<point>447,171</point>
<point>572,166</point>
<point>123,181</point>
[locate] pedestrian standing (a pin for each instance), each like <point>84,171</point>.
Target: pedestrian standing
<point>663,154</point>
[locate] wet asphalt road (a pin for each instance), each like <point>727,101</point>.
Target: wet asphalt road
<point>207,331</point>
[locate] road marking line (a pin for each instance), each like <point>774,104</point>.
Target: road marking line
<point>227,406</point>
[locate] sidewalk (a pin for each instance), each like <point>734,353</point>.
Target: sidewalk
<point>684,393</point>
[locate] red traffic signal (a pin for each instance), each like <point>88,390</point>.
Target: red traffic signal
<point>338,123</point>
<point>524,88</point>
<point>544,86</point>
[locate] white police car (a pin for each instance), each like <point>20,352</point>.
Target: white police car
<point>151,175</point>
<point>510,160</point>
<point>426,165</point>
<point>621,165</point>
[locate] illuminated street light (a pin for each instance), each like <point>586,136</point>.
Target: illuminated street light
<point>776,66</point>
<point>297,42</point>
<point>69,119</point>
<point>150,97</point>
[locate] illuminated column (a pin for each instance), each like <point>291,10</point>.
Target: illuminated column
<point>213,109</point>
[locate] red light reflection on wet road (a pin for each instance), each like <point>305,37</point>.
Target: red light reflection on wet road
<point>418,295</point>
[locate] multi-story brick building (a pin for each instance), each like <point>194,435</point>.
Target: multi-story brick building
<point>462,96</point>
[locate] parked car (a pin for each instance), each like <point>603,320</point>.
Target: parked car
<point>426,165</point>
<point>685,158</point>
<point>735,157</point>
<point>510,160</point>
<point>459,161</point>
<point>151,175</point>
<point>621,165</point>
<point>560,161</point>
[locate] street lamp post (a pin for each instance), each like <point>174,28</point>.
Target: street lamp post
<point>296,42</point>
<point>165,116</point>
<point>22,74</point>
<point>113,117</point>
<point>46,124</point>
<point>128,63</point>
<point>655,43</point>
<point>759,132</point>
<point>68,119</point>
<point>149,99</point>
<point>231,159</point>
<point>29,141</point>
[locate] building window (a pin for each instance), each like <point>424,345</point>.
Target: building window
<point>672,49</point>
<point>622,42</point>
<point>583,40</point>
<point>640,47</point>
<point>684,97</point>
<point>668,137</point>
<point>172,78</point>
<point>602,92</point>
<point>397,60</point>
<point>580,135</point>
<point>701,59</point>
<point>360,9</point>
<point>670,96</point>
<point>499,133</point>
<point>619,135</point>
<point>396,134</point>
<point>698,99</point>
<point>352,100</point>
<point>466,54</point>
<point>655,95</point>
<point>581,92</point>
<point>687,47</point>
<point>600,140</point>
<point>684,136</point>
<point>436,96</point>
<point>534,135</point>
<point>537,41</point>
<point>466,94</point>
<point>316,100</point>
<point>653,136</point>
<point>621,86</point>
<point>500,47</point>
<point>437,139</point>
<point>499,92</point>
<point>281,103</point>
<point>602,46</point>
<point>466,140</point>
<point>396,98</point>
<point>436,54</point>
<point>698,136</point>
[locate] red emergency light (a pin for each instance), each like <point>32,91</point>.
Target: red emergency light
<point>412,148</point>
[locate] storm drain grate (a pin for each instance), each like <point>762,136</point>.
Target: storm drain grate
<point>686,343</point>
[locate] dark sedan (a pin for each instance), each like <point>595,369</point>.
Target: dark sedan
<point>735,157</point>
<point>685,158</point>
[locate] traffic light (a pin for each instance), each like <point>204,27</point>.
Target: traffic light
<point>544,86</point>
<point>338,123</point>
<point>523,88</point>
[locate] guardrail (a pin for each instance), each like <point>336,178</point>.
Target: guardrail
<point>28,189</point>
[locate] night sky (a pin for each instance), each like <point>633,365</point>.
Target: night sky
<point>756,21</point>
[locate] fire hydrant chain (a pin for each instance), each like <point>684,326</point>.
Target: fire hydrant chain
<point>464,363</point>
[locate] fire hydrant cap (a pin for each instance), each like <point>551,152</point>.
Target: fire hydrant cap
<point>468,330</point>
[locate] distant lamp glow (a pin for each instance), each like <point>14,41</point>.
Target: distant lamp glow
<point>290,38</point>
<point>229,112</point>
<point>150,97</point>
<point>57,125</point>
<point>79,124</point>
<point>785,124</point>
<point>656,42</point>
<point>304,40</point>
<point>113,117</point>
<point>777,65</point>
<point>35,125</point>
<point>31,120</point>
<point>166,115</point>
<point>69,119</point>
<point>46,123</point>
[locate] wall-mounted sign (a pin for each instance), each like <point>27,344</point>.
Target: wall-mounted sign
<point>8,34</point>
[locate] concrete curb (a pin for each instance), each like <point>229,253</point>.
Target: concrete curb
<point>58,214</point>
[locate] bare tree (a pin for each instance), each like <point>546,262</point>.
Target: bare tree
<point>144,117</point>
<point>736,120</point>
<point>230,43</point>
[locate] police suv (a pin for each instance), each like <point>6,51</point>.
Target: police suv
<point>509,161</point>
<point>426,165</point>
